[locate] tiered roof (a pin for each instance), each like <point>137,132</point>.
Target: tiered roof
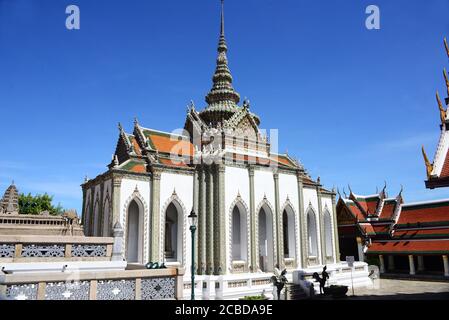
<point>438,170</point>
<point>10,201</point>
<point>223,132</point>
<point>370,216</point>
<point>395,228</point>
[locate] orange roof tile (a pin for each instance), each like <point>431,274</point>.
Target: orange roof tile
<point>406,247</point>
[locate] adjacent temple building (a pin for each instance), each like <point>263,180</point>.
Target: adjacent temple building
<point>256,208</point>
<point>13,222</point>
<point>403,238</point>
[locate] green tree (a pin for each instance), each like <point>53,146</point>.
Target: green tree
<point>29,204</point>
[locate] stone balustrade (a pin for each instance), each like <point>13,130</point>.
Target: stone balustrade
<point>137,284</point>
<point>54,248</point>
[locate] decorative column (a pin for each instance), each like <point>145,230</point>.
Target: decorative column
<point>116,192</point>
<point>83,209</point>
<point>254,267</point>
<point>335,225</point>
<point>117,249</point>
<point>90,232</point>
<point>302,220</point>
<point>390,263</point>
<point>202,221</point>
<point>221,221</point>
<point>278,221</point>
<point>210,222</point>
<point>382,263</point>
<point>360,249</point>
<point>411,263</point>
<point>321,226</point>
<point>420,263</point>
<point>155,215</point>
<point>195,208</point>
<point>446,266</point>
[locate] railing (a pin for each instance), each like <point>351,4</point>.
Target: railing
<point>54,248</point>
<point>163,284</point>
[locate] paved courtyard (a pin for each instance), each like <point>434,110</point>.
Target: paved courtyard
<point>403,289</point>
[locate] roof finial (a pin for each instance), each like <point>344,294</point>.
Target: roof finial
<point>447,80</point>
<point>429,166</point>
<point>222,30</point>
<point>446,46</point>
<point>442,111</point>
<point>222,96</point>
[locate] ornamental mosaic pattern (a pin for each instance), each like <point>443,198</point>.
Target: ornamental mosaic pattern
<point>67,291</point>
<point>32,251</point>
<point>158,289</point>
<point>7,250</point>
<point>80,250</point>
<point>22,292</point>
<point>116,290</point>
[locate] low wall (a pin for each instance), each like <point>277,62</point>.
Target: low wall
<point>54,248</point>
<point>163,284</point>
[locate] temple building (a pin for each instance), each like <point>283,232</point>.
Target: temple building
<point>256,208</point>
<point>14,222</point>
<point>438,170</point>
<point>402,238</point>
<point>363,219</point>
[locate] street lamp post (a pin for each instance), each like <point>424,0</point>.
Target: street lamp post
<point>193,220</point>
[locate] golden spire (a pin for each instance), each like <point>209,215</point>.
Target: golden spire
<point>447,80</point>
<point>446,46</point>
<point>442,111</point>
<point>429,166</point>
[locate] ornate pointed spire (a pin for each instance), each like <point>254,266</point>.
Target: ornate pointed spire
<point>222,97</point>
<point>429,166</point>
<point>447,80</point>
<point>446,46</point>
<point>442,111</point>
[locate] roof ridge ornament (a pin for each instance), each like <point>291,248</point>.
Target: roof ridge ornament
<point>429,166</point>
<point>443,112</point>
<point>447,80</point>
<point>446,46</point>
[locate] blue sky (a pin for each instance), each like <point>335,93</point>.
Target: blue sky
<point>353,105</point>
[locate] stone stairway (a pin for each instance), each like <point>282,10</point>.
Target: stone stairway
<point>294,292</point>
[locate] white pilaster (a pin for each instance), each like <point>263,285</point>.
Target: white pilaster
<point>382,263</point>
<point>446,266</point>
<point>411,263</point>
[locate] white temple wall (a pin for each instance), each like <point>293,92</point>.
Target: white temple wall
<point>288,189</point>
<point>326,203</point>
<point>177,187</point>
<point>136,189</point>
<point>263,186</point>
<point>87,210</point>
<point>97,209</point>
<point>236,182</point>
<point>311,200</point>
<point>106,229</point>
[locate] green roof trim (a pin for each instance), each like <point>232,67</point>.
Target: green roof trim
<point>131,164</point>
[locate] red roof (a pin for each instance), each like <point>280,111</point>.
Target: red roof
<point>435,212</point>
<point>167,143</point>
<point>357,213</point>
<point>408,247</point>
<point>420,233</point>
<point>388,210</point>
